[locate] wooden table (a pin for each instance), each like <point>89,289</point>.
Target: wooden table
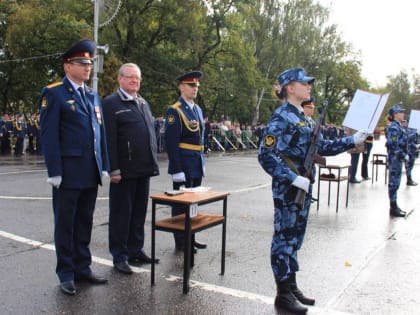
<point>189,223</point>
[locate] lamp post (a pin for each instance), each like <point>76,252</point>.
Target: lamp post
<point>98,60</point>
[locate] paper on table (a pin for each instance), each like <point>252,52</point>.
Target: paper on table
<point>195,189</point>
<point>365,110</point>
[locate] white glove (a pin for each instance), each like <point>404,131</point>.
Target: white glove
<point>178,177</point>
<point>104,176</point>
<point>360,137</point>
<point>54,181</point>
<point>302,183</point>
<point>406,157</point>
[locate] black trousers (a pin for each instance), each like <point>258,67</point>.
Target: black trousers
<point>189,183</point>
<point>127,213</point>
<point>73,218</point>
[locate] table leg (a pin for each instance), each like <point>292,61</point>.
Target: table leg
<point>319,182</point>
<point>187,251</point>
<point>224,236</point>
<point>152,278</point>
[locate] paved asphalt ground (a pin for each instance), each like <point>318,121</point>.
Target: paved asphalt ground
<point>356,261</point>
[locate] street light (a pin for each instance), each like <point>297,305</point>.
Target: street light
<point>99,59</point>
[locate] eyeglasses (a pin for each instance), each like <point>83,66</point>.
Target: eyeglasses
<point>132,77</point>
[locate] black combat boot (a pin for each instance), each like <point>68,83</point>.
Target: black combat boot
<point>395,211</point>
<point>410,181</point>
<point>298,293</point>
<point>286,300</point>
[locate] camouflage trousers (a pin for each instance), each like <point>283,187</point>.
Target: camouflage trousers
<point>289,230</point>
<point>410,164</point>
<point>395,170</point>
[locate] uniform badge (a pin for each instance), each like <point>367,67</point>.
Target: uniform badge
<point>269,141</point>
<point>394,138</point>
<point>98,115</point>
<point>302,124</point>
<point>44,102</point>
<point>193,123</point>
<point>171,119</point>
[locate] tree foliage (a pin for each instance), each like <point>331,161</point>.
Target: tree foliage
<point>240,45</point>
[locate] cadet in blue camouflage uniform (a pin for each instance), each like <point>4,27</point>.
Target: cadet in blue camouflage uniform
<point>396,143</point>
<point>286,140</point>
<point>411,150</point>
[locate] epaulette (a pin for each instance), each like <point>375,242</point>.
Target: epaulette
<point>53,85</point>
<point>176,105</point>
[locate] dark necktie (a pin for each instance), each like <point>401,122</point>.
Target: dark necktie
<point>82,95</point>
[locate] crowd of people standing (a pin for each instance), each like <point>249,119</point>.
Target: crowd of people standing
<point>15,129</point>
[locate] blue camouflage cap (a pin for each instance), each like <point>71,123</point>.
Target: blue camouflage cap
<point>294,74</point>
<point>395,109</point>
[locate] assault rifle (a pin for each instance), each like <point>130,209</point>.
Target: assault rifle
<point>312,156</point>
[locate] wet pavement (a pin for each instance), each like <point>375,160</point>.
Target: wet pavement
<point>356,261</point>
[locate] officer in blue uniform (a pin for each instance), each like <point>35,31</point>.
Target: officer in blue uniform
<point>396,143</point>
<point>184,140</point>
<point>6,132</point>
<point>75,152</point>
<point>286,140</point>
<point>412,152</point>
<point>31,128</point>
<point>19,133</point>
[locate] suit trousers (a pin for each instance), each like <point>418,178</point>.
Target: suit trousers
<point>73,218</point>
<point>127,214</point>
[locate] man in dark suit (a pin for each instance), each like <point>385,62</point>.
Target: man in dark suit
<point>184,131</point>
<point>74,148</point>
<point>133,160</point>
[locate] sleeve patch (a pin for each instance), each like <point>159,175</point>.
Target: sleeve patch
<point>171,119</point>
<point>269,141</point>
<point>44,103</point>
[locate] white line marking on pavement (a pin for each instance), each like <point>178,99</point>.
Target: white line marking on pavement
<point>250,296</point>
<point>259,186</point>
<point>250,188</point>
<point>37,198</point>
<point>205,286</point>
<point>21,172</point>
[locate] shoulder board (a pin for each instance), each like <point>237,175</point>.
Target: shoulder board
<point>176,105</point>
<point>53,85</point>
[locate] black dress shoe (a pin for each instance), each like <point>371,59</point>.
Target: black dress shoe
<point>354,181</point>
<point>91,278</point>
<point>199,245</point>
<point>142,258</point>
<point>68,287</point>
<point>411,182</point>
<point>367,178</point>
<point>397,213</point>
<point>180,247</point>
<point>123,267</point>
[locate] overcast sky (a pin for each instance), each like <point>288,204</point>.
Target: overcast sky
<point>386,32</point>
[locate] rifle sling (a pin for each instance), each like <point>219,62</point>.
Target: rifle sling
<point>290,163</point>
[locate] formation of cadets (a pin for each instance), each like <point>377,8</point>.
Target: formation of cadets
<point>15,129</point>
<point>220,135</point>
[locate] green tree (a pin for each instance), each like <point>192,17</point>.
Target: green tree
<point>400,88</point>
<point>37,33</point>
